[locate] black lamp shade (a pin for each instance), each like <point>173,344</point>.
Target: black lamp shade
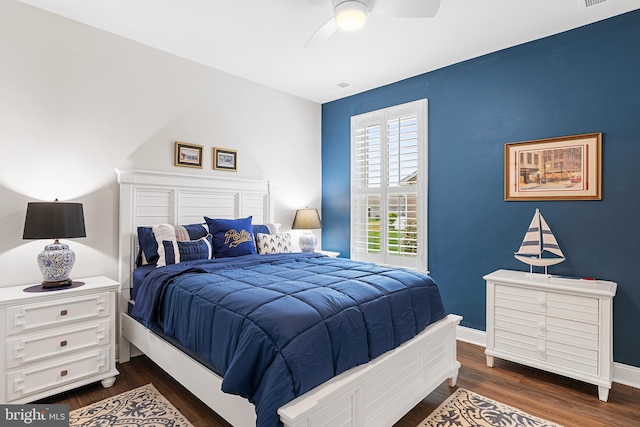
<point>306,219</point>
<point>54,220</point>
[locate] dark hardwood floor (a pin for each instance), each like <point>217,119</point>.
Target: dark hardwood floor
<point>553,397</point>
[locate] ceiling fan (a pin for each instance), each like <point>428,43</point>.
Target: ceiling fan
<point>351,15</point>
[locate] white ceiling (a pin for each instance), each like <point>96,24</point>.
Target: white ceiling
<point>263,40</point>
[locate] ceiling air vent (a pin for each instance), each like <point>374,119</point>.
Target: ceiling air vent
<point>339,86</point>
<point>589,3</point>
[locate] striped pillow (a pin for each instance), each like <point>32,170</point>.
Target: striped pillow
<point>191,232</point>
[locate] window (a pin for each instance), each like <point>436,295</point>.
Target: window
<point>388,186</point>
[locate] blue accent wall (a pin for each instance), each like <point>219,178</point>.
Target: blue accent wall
<point>581,81</point>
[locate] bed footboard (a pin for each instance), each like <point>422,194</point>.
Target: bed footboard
<point>384,390</point>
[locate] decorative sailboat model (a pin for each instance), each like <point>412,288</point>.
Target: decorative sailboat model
<point>539,246</point>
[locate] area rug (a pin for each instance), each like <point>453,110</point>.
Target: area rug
<point>465,408</point>
<point>140,407</point>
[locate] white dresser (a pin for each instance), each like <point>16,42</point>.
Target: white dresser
<point>560,325</point>
<point>54,341</point>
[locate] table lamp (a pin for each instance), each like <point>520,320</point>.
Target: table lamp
<point>307,219</point>
<point>54,220</point>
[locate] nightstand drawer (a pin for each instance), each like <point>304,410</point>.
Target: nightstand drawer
<point>55,312</point>
<point>558,354</point>
<point>36,347</point>
<point>48,375</point>
<point>573,358</point>
<point>570,307</point>
<point>580,334</point>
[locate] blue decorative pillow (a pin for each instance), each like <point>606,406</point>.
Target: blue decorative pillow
<point>175,252</point>
<point>148,253</point>
<point>231,237</point>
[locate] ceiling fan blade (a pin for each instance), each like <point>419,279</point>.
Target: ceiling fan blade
<point>406,8</point>
<point>318,3</point>
<point>322,34</point>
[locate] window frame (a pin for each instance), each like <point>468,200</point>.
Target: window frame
<point>382,119</point>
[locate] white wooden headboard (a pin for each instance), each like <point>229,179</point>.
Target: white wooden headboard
<point>148,198</point>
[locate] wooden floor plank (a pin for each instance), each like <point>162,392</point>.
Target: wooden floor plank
<point>562,400</point>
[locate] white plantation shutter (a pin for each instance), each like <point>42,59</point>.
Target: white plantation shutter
<point>389,160</point>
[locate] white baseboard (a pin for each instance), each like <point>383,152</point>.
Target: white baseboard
<point>622,374</point>
<point>626,374</point>
<point>472,336</point>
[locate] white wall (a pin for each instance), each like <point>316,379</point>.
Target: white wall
<point>77,102</point>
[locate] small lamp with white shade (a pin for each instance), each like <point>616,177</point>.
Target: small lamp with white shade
<point>307,219</point>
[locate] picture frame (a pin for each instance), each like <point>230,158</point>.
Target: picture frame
<point>188,155</point>
<point>563,168</point>
<point>225,159</point>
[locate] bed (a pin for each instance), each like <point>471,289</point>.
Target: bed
<point>357,392</point>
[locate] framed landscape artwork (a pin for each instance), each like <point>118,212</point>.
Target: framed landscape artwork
<point>564,168</point>
<point>224,159</point>
<point>188,155</point>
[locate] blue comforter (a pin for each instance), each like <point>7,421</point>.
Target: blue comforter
<point>276,326</point>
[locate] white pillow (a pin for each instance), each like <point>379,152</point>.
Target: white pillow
<point>273,243</point>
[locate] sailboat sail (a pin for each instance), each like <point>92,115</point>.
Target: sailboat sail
<point>531,244</point>
<point>537,240</point>
<point>549,242</point>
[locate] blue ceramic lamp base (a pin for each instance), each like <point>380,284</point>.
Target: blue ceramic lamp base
<point>308,242</point>
<point>56,262</point>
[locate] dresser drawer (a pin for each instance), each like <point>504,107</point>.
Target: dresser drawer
<point>552,353</point>
<point>35,347</point>
<point>581,360</point>
<point>556,329</point>
<point>52,374</point>
<point>571,307</point>
<point>31,317</point>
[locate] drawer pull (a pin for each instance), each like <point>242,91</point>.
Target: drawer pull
<point>19,319</point>
<point>19,352</point>
<point>541,326</point>
<point>541,350</point>
<point>63,343</point>
<point>63,373</point>
<point>63,312</point>
<point>18,385</point>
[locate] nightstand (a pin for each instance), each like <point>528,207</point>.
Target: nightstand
<point>328,253</point>
<point>54,341</point>
<point>561,325</point>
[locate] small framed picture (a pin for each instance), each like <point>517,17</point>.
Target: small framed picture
<point>188,155</point>
<point>565,168</point>
<point>224,159</point>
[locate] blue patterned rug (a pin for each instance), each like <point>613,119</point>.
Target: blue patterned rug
<point>465,408</point>
<point>140,407</point>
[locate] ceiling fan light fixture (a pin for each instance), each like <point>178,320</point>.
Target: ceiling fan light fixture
<point>350,15</point>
